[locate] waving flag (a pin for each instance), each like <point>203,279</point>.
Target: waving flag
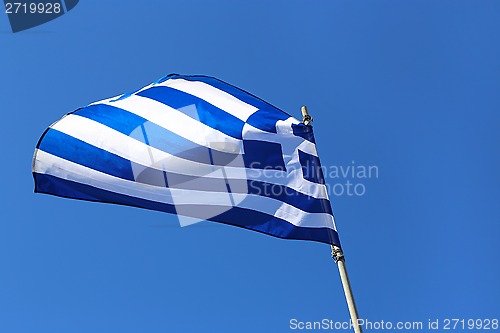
<point>196,147</point>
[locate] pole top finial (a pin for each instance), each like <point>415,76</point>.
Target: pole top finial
<point>306,118</point>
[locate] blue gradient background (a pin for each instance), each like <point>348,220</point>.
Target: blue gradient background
<point>410,86</point>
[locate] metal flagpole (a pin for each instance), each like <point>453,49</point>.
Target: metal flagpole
<point>338,257</point>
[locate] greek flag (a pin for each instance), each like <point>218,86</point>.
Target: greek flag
<point>193,146</point>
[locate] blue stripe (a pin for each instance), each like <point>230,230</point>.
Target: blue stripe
<point>264,119</point>
<point>311,168</point>
<point>263,155</point>
<point>74,150</point>
<point>69,189</point>
<point>241,217</point>
<point>207,113</point>
<point>118,119</point>
<point>304,131</point>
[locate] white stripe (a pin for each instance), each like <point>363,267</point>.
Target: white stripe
<point>214,96</point>
<point>46,163</point>
<point>101,136</point>
<point>176,122</point>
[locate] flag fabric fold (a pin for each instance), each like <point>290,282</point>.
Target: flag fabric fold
<point>193,146</point>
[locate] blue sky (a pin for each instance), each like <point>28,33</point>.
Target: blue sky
<point>411,87</point>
